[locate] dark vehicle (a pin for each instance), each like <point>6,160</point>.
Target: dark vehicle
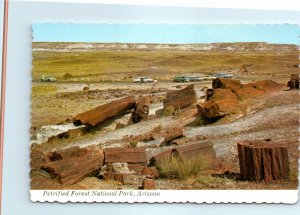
<point>223,75</point>
<point>196,79</point>
<point>181,79</point>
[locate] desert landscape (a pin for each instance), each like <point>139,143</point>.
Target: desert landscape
<point>93,127</point>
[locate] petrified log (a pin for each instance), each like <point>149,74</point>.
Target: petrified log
<point>105,112</point>
<point>226,83</point>
<point>74,164</point>
<point>294,82</point>
<point>262,160</point>
<point>171,134</point>
<point>42,181</point>
<point>141,111</point>
<point>204,150</point>
<point>223,102</point>
<point>135,157</point>
<point>180,99</point>
<point>37,159</point>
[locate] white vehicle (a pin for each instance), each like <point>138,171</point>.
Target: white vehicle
<point>143,80</point>
<point>208,78</point>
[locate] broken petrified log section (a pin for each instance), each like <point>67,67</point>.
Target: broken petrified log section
<point>294,82</point>
<point>224,98</point>
<point>72,165</point>
<point>105,112</point>
<point>141,111</point>
<point>262,160</point>
<point>203,150</point>
<point>171,134</point>
<point>222,103</point>
<point>180,99</point>
<point>134,157</point>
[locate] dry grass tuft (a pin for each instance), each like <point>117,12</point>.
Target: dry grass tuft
<point>180,168</point>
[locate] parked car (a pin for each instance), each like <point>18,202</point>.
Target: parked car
<point>143,80</point>
<point>208,78</point>
<point>48,79</point>
<point>181,79</point>
<point>223,75</point>
<point>195,78</point>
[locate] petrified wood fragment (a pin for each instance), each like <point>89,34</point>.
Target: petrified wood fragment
<point>180,99</point>
<point>141,111</point>
<point>262,160</point>
<point>72,165</point>
<point>294,82</point>
<point>135,157</point>
<point>203,150</point>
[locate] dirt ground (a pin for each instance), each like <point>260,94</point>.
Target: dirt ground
<point>273,116</point>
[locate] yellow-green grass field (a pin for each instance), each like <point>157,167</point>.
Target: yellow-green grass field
<point>124,65</point>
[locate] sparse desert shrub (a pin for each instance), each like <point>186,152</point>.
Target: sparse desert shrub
<point>133,143</point>
<point>177,113</point>
<point>180,168</point>
<point>67,76</point>
<point>168,111</point>
<point>210,181</point>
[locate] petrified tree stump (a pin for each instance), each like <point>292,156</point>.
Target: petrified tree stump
<point>262,160</point>
<point>294,82</point>
<point>105,112</point>
<point>180,99</point>
<point>141,111</point>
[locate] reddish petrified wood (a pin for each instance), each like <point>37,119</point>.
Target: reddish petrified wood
<point>74,164</point>
<point>204,150</point>
<point>226,83</point>
<point>105,112</point>
<point>171,134</point>
<point>44,182</point>
<point>222,103</point>
<point>180,99</point>
<point>135,157</point>
<point>148,184</point>
<point>262,160</point>
<point>294,82</point>
<point>37,159</point>
<point>141,111</point>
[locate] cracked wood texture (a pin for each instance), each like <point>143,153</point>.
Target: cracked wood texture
<point>180,99</point>
<point>263,160</point>
<point>141,111</point>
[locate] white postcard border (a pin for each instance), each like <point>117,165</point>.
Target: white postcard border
<point>166,196</point>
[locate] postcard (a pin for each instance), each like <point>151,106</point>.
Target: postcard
<point>164,113</point>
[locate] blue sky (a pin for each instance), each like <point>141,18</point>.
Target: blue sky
<point>164,33</point>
